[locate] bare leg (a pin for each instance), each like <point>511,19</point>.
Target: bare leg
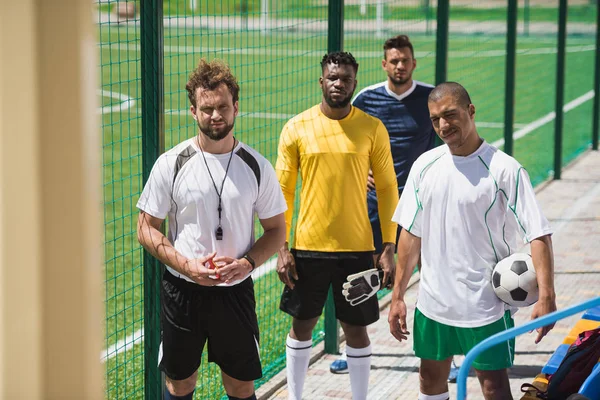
<point>182,387</point>
<point>356,336</point>
<point>302,328</point>
<point>237,388</point>
<point>434,376</point>
<point>495,384</point>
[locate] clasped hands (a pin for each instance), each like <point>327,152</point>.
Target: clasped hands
<point>211,270</point>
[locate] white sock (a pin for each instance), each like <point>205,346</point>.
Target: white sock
<point>297,359</point>
<point>443,396</point>
<point>359,366</point>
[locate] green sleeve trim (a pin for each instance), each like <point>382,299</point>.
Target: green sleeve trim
<point>416,191</point>
<point>419,207</point>
<point>488,227</point>
<point>489,172</point>
<point>429,165</point>
<point>513,208</point>
<point>413,221</point>
<point>517,187</point>
<point>490,207</point>
<point>504,226</point>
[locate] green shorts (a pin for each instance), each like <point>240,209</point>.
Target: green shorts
<point>435,341</point>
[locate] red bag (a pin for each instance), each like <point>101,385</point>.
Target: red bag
<point>577,365</point>
<point>574,369</point>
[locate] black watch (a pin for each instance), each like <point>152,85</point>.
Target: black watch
<point>251,261</point>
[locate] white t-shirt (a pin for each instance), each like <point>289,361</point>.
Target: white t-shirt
<point>180,188</point>
<point>469,213</point>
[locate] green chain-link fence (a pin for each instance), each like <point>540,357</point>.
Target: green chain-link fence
<point>121,123</point>
<point>274,48</point>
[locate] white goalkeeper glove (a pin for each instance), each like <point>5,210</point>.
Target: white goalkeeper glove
<point>360,287</point>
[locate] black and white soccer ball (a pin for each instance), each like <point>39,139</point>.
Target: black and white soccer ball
<point>514,280</point>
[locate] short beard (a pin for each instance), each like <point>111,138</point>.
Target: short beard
<point>338,104</point>
<point>399,81</point>
<point>216,135</point>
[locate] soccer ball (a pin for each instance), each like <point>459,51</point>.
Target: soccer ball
<point>514,280</point>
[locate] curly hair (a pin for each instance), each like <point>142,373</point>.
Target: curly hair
<point>210,75</point>
<point>339,58</point>
<point>398,42</point>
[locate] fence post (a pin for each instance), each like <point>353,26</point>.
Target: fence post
<point>526,10</point>
<point>379,20</point>
<point>335,42</point>
<point>441,46</point>
<point>151,42</point>
<point>427,11</point>
<point>509,89</point>
<point>596,110</point>
<point>335,26</point>
<point>560,87</point>
<point>265,25</point>
<point>441,43</point>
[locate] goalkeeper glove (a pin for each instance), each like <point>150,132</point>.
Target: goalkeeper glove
<point>360,287</point>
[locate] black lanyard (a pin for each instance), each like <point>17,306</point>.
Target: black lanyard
<point>219,231</point>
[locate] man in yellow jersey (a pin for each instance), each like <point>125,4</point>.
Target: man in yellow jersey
<point>333,145</point>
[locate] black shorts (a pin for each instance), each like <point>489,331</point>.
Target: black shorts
<point>316,274</point>
<point>225,316</point>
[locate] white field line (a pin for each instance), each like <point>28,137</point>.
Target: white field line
<point>126,102</point>
<point>527,129</point>
<point>136,337</point>
<point>122,345</point>
<point>302,34</point>
<point>359,54</point>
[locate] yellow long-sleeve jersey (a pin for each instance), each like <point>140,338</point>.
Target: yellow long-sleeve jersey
<point>334,157</point>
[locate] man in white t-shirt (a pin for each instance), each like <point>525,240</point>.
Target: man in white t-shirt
<point>210,187</point>
<point>464,207</point>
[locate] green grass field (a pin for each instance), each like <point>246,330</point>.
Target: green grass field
<point>278,74</point>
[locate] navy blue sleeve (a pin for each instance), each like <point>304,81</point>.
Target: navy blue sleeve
<point>359,102</point>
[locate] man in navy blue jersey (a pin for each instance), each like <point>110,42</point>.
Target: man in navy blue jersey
<point>401,104</point>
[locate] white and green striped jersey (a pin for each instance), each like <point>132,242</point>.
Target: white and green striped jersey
<point>469,213</point>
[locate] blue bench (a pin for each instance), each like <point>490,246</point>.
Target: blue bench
<point>554,361</point>
<point>592,313</point>
<point>591,386</point>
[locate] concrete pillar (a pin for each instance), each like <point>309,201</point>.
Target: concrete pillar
<point>50,202</point>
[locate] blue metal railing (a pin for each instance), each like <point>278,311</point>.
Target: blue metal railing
<point>511,333</point>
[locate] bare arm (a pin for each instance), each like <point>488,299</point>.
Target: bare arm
<point>386,262</point>
<point>272,239</point>
<point>543,262</point>
<point>156,243</point>
<point>409,250</point>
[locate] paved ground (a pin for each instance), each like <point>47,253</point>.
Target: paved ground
<point>573,207</point>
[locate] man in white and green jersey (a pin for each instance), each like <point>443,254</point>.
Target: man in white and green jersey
<point>465,206</point>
